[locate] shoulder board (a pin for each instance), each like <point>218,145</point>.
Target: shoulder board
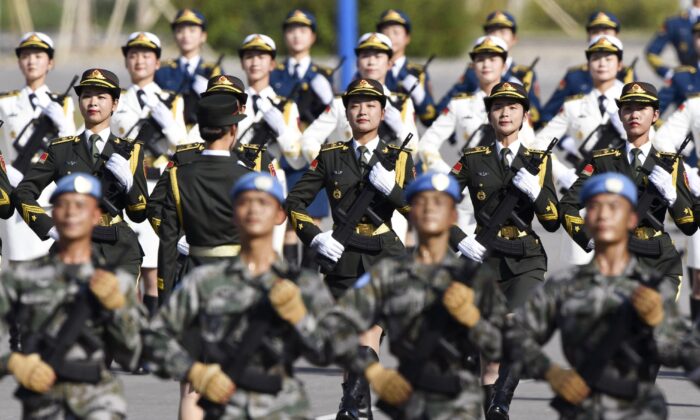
<point>208,65</point>
<point>393,146</point>
<point>332,146</point>
<point>280,66</point>
<point>574,97</point>
<point>478,149</point>
<point>580,67</point>
<point>128,140</point>
<point>685,69</point>
<point>415,68</point>
<point>519,68</point>
<point>123,92</point>
<point>606,152</point>
<point>66,139</point>
<point>10,93</point>
<point>462,95</point>
<point>189,146</point>
<point>535,151</point>
<point>170,62</point>
<point>321,69</point>
<point>399,95</point>
<point>666,154</point>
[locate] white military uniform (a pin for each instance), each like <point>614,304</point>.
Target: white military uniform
<point>20,243</point>
<point>127,115</point>
<point>333,125</point>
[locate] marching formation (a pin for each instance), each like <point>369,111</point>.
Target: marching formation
<point>214,230</point>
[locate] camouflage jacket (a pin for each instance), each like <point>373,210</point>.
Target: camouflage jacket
<point>218,301</point>
<point>38,295</point>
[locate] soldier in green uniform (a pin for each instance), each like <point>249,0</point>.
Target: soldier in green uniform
<point>613,323</point>
<point>94,151</point>
<point>519,265</point>
<point>344,169</point>
<point>638,159</point>
<point>70,310</point>
<point>250,317</point>
<point>435,317</point>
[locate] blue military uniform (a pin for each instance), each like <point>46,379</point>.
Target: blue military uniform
<point>678,31</point>
<point>684,82</point>
<point>174,74</point>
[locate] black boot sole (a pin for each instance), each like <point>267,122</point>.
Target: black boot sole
<point>497,413</point>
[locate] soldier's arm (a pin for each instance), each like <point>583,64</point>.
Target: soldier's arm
<point>556,127</point>
<point>546,205</point>
<point>464,85</point>
<point>404,176</point>
<point>177,133</point>
<point>440,130</point>
<point>169,232</point>
<point>408,118</point>
<point>673,131</point>
<point>570,207</point>
<point>123,332</point>
<point>532,94</point>
<point>667,96</point>
<point>461,172</point>
<point>654,49</point>
<point>426,109</point>
<point>6,208</point>
<point>302,194</point>
<point>136,196</point>
<point>68,110</point>
<point>682,209</point>
<point>290,140</point>
<point>318,131</point>
<point>556,101</point>
<point>25,196</point>
<point>154,204</point>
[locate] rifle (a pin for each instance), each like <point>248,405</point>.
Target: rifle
<point>491,221</point>
<point>43,128</point>
<point>625,326</point>
<point>651,195</point>
<point>530,68</point>
<point>608,137</point>
<point>399,104</point>
<point>110,185</point>
<point>360,206</point>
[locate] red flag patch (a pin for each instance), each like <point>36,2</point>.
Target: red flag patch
<point>313,164</point>
<point>445,111</point>
<point>588,170</point>
<point>43,157</point>
<point>457,168</point>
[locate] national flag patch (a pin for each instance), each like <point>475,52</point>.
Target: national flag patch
<point>170,164</point>
<point>445,111</point>
<point>313,164</point>
<point>588,170</point>
<point>43,157</point>
<point>328,109</point>
<point>457,168</point>
<point>271,168</point>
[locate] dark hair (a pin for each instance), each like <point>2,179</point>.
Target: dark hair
<point>210,134</point>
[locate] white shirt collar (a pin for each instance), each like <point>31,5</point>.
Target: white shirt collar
<point>192,63</point>
<point>216,153</point>
<point>39,90</point>
<point>693,13</point>
<point>104,136</point>
<point>267,92</point>
<point>514,148</point>
<point>509,63</point>
<point>371,145</point>
<point>304,64</point>
<point>398,64</point>
<point>645,148</point>
<point>611,94</point>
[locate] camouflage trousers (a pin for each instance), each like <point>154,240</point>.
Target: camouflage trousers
<point>290,403</point>
<point>650,404</point>
<point>67,400</point>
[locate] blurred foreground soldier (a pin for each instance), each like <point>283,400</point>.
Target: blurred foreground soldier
<point>234,329</point>
<point>438,312</point>
<point>658,175</point>
<point>517,257</point>
<point>403,75</point>
<point>677,31</point>
<point>187,75</point>
<point>32,117</point>
<point>116,162</point>
<point>614,324</point>
<point>345,170</point>
<point>71,310</point>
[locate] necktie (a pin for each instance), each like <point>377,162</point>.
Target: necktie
<point>32,98</point>
<point>255,104</point>
<point>601,105</point>
<point>296,71</point>
<point>94,151</point>
<point>504,157</point>
<point>636,162</point>
<point>139,96</point>
<point>362,159</point>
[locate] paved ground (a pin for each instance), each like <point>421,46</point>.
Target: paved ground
<point>151,398</point>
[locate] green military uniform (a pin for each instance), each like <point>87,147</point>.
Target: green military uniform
<point>583,304</point>
<point>114,239</point>
<point>218,303</point>
<point>405,295</point>
<point>337,170</point>
<point>6,207</point>
<point>39,293</point>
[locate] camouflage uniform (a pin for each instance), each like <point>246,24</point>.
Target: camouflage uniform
<point>402,295</point>
<point>40,292</point>
<point>580,302</point>
<point>218,301</point>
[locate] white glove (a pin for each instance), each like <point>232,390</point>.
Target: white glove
<point>121,169</point>
<point>472,249</point>
<point>53,233</point>
<point>392,117</point>
<point>14,175</point>
<point>54,111</point>
<point>325,244</point>
<point>183,247</point>
<point>382,179</point>
<point>567,178</point>
<point>663,181</point>
<point>418,94</point>
<point>159,112</point>
<point>322,88</point>
<point>693,179</point>
<point>439,165</point>
<point>569,144</point>
<point>309,149</point>
<point>528,183</point>
<point>199,84</point>
<point>272,116</point>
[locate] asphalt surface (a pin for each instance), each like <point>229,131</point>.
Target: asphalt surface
<point>154,399</point>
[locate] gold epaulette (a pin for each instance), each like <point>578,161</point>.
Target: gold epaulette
<point>521,68</point>
<point>332,146</point>
<point>62,140</point>
<point>189,146</point>
<point>478,149</point>
<point>535,151</point>
<point>685,69</point>
<point>279,66</point>
<point>583,67</point>
<point>208,65</point>
<point>10,93</point>
<point>317,68</point>
<point>666,154</point>
<point>462,95</point>
<point>406,149</point>
<point>414,66</point>
<point>171,63</point>
<point>129,140</point>
<point>606,152</point>
<point>574,97</point>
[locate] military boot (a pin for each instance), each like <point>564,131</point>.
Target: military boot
<point>356,402</point>
<point>503,391</point>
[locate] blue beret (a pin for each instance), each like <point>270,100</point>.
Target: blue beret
<point>434,181</point>
<point>257,181</point>
<point>610,182</point>
<point>78,182</point>
<point>300,17</point>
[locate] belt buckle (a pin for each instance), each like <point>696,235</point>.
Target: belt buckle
<point>364,229</point>
<point>641,233</point>
<point>509,232</point>
<point>105,220</point>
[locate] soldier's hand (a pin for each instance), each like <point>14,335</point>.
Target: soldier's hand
<point>210,381</point>
<point>285,297</point>
<point>649,305</point>
<point>31,372</point>
<point>472,249</point>
<point>322,88</point>
<point>272,116</point>
<point>105,286</point>
<point>389,385</point>
<point>55,112</point>
<point>326,245</point>
<point>528,183</point>
<point>121,168</point>
<point>392,118</point>
<point>663,181</point>
<point>382,179</point>
<point>418,93</point>
<point>459,302</point>
<point>567,384</point>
